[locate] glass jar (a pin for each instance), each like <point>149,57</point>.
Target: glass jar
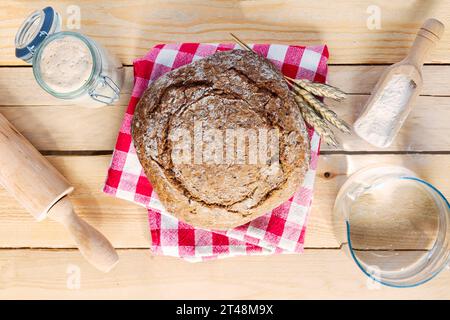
<point>397,225</point>
<point>68,65</point>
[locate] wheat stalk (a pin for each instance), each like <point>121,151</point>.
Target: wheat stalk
<point>315,112</point>
<point>319,89</point>
<point>315,121</point>
<point>242,44</point>
<point>322,110</point>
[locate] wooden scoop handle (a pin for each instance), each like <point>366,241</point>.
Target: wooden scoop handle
<point>428,35</point>
<point>92,244</point>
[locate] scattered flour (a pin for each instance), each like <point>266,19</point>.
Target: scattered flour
<point>381,120</point>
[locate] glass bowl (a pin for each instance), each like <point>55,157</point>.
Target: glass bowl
<point>397,225</point>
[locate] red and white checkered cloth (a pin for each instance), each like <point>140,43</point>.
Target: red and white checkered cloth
<point>279,231</point>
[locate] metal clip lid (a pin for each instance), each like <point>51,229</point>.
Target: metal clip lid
<point>105,91</point>
<point>34,30</point>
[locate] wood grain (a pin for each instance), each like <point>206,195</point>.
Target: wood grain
<point>54,124</point>
<point>27,175</point>
<point>67,128</point>
<point>315,274</point>
<point>424,129</point>
<point>125,223</point>
<point>19,88</point>
<point>73,128</point>
<point>113,217</point>
<point>362,79</point>
<point>130,28</point>
<point>93,245</point>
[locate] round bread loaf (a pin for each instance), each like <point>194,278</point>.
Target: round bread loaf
<point>221,139</point>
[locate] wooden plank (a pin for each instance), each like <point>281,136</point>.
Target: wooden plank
<point>67,128</point>
<point>125,224</point>
<point>362,79</point>
<point>315,274</point>
<point>18,87</point>
<point>54,124</point>
<point>424,130</point>
<point>130,29</point>
<point>74,128</point>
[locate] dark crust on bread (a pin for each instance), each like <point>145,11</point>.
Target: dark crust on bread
<point>232,89</point>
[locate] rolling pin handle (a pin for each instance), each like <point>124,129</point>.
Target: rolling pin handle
<point>92,244</point>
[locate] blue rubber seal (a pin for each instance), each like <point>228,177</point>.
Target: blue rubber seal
<point>49,15</point>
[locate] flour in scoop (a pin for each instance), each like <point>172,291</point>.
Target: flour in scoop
<point>381,121</point>
<point>66,64</point>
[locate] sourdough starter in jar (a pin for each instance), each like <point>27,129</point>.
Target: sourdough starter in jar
<point>72,66</point>
<point>66,64</point>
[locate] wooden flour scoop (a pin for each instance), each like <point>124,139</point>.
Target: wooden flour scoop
<point>410,69</point>
<point>43,191</point>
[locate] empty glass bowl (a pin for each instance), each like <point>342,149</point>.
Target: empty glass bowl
<point>397,225</point>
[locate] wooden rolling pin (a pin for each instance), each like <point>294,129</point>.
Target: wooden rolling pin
<point>43,191</point>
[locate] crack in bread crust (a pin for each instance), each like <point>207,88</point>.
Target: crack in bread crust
<point>233,89</point>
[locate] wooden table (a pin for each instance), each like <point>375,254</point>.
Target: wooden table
<point>38,260</point>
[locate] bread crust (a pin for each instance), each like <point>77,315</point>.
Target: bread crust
<point>227,90</point>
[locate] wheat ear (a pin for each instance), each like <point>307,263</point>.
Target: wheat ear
<point>316,122</point>
<point>314,111</point>
<point>323,111</point>
<point>319,89</point>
